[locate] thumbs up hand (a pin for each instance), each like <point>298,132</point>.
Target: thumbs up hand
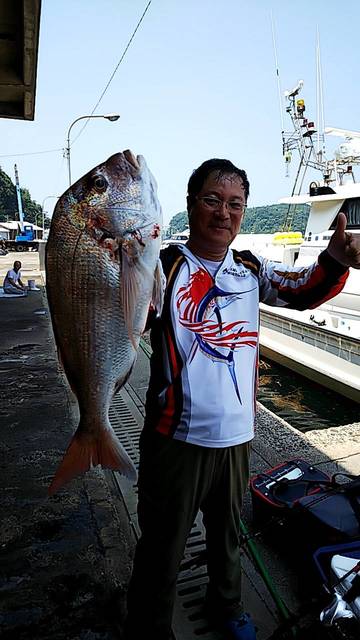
<point>344,246</point>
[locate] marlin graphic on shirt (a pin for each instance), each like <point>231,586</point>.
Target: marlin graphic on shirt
<point>200,303</point>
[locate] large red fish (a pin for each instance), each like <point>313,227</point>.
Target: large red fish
<point>102,273</point>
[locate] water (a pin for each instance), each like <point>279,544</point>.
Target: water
<point>301,402</point>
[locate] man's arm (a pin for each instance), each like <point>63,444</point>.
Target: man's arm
<point>302,287</point>
<point>308,287</point>
<point>15,284</point>
<point>150,318</point>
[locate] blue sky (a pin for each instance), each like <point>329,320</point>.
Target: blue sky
<point>198,81</point>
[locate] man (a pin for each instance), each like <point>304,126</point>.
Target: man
<point>12,282</point>
<point>200,406</point>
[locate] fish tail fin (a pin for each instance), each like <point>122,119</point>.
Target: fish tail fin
<point>85,453</point>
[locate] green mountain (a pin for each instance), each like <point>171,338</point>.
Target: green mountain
<point>266,219</point>
<point>9,205</point>
<point>275,217</point>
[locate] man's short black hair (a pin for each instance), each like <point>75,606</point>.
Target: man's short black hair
<point>224,167</point>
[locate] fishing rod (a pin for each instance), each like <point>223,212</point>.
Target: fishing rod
<point>289,620</point>
<point>292,625</point>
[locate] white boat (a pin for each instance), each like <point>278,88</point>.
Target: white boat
<point>176,238</point>
<point>322,344</point>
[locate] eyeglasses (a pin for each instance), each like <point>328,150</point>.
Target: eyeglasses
<point>215,204</point>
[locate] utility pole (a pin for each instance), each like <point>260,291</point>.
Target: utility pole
<point>18,195</point>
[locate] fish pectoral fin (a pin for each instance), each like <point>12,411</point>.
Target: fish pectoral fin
<point>130,288</point>
<point>159,288</point>
<point>86,452</point>
<point>135,276</point>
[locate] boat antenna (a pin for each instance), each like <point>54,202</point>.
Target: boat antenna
<point>320,104</point>
<point>277,73</point>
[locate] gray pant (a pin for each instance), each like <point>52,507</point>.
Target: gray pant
<point>9,288</point>
<point>176,479</point>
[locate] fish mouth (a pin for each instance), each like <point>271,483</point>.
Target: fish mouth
<point>131,158</point>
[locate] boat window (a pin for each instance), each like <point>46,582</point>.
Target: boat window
<point>316,237</point>
<point>351,207</point>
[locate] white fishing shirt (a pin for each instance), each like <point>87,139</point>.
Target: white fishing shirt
<point>216,336</point>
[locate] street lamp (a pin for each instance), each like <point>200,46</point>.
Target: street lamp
<point>108,116</point>
<point>43,212</point>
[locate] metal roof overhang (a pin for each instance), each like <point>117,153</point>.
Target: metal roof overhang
<point>19,41</point>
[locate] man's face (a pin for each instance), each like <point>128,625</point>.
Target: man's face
<point>214,224</point>
<point>17,266</point>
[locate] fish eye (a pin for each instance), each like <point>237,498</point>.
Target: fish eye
<point>99,183</point>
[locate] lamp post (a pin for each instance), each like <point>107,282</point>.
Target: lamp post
<point>43,212</point>
<point>108,116</point>
<point>36,221</point>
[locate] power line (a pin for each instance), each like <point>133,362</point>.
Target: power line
<point>30,153</point>
<point>115,70</point>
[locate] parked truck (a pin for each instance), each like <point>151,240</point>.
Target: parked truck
<point>24,240</point>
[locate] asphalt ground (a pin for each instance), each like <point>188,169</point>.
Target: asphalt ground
<point>65,560</point>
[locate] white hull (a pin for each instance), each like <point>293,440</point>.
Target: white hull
<point>324,356</point>
<point>347,303</point>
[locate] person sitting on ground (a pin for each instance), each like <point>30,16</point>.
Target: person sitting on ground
<point>12,282</point>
